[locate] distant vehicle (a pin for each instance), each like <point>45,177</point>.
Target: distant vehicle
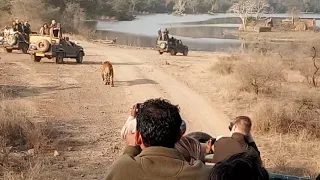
<point>14,42</point>
<point>53,47</point>
<point>172,46</point>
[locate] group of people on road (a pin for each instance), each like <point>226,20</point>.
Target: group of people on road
<point>163,35</point>
<point>157,147</point>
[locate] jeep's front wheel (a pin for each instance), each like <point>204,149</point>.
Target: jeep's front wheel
<point>35,58</point>
<point>79,57</point>
<point>8,50</point>
<point>173,52</point>
<point>59,57</point>
<point>185,52</point>
<point>24,49</point>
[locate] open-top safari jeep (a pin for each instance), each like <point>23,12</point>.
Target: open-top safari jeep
<point>172,46</point>
<point>54,47</point>
<point>14,41</point>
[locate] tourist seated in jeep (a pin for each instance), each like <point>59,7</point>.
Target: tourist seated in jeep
<point>44,30</point>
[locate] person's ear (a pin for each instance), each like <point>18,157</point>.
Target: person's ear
<point>179,137</point>
<point>138,138</point>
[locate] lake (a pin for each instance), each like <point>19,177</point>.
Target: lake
<point>200,32</point>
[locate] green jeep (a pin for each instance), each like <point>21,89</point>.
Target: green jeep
<point>14,42</point>
<point>53,47</point>
<point>172,46</point>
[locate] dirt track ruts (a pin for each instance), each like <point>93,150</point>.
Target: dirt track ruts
<point>90,114</point>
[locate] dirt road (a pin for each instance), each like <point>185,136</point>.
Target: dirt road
<point>89,114</point>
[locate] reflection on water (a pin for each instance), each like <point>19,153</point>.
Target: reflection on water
<point>199,32</point>
<point>199,44</point>
<point>203,31</point>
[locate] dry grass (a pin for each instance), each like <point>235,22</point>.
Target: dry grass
<point>18,135</point>
<point>261,85</point>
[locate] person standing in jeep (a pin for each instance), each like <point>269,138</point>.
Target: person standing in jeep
<point>18,26</point>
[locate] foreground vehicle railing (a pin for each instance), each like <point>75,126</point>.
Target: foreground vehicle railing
<point>274,176</point>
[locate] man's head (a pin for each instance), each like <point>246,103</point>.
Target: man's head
<point>241,124</point>
<point>53,22</point>
<point>158,124</point>
<point>17,21</point>
<point>239,166</point>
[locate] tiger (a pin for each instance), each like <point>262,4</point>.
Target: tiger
<point>107,73</point>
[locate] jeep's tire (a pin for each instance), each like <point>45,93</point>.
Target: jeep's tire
<point>185,52</point>
<point>59,57</point>
<point>43,45</point>
<point>79,57</point>
<point>12,40</point>
<point>24,49</point>
<point>163,45</point>
<point>35,58</point>
<point>173,52</point>
<point>8,50</point>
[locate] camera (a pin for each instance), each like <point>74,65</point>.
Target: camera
<point>138,106</point>
<point>231,124</point>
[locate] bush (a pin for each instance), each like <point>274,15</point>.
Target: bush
<point>289,116</point>
<point>259,74</point>
<point>17,135</point>
<point>223,67</point>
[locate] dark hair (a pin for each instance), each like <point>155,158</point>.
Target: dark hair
<point>158,122</point>
<point>239,166</point>
<point>201,136</point>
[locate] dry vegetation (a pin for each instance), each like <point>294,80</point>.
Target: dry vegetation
<point>22,142</point>
<point>279,88</point>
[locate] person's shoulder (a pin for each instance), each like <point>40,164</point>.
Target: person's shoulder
<point>121,168</point>
<point>197,171</point>
<point>124,160</point>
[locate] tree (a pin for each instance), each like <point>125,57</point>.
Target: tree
<point>246,8</point>
<point>133,5</point>
<point>180,6</point>
<point>192,4</point>
<point>260,7</point>
<point>212,4</point>
<point>242,9</point>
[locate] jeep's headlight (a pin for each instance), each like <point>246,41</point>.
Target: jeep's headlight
<point>33,47</point>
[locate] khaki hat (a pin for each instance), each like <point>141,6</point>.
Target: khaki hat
<point>225,147</point>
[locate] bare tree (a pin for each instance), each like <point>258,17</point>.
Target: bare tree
<point>260,7</point>
<point>246,8</point>
<point>242,9</point>
<point>212,3</point>
<point>294,12</point>
<point>133,5</point>
<point>192,4</point>
<point>317,68</point>
<point>74,17</point>
<point>180,6</point>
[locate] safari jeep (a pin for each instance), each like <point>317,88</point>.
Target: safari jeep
<point>172,46</point>
<point>15,42</point>
<point>53,47</point>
